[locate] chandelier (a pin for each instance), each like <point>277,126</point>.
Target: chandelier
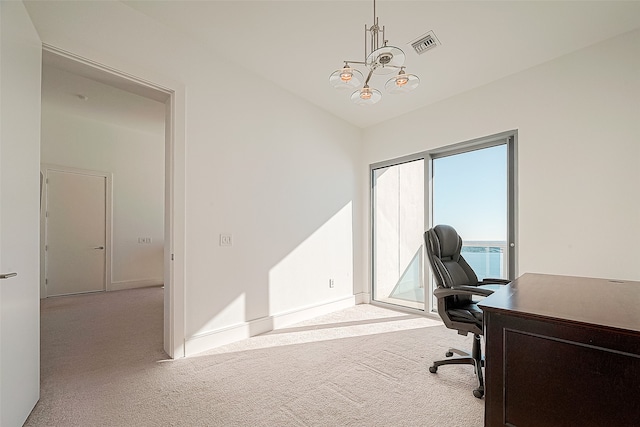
<point>379,60</point>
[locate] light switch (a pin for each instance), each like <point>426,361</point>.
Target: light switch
<point>225,239</point>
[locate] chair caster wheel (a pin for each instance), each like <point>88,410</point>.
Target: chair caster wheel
<point>433,369</point>
<point>478,392</point>
<point>448,354</point>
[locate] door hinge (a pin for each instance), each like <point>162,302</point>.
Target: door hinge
<point>171,257</point>
<point>46,247</point>
<point>46,281</point>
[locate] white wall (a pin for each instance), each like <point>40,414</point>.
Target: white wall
<point>578,122</point>
<point>281,177</point>
<point>136,161</point>
<point>279,174</point>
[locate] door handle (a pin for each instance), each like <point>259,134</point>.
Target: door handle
<point>8,275</point>
<point>99,247</point>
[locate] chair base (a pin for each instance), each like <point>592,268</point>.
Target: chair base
<point>474,358</point>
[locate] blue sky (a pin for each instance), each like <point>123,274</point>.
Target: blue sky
<point>470,193</point>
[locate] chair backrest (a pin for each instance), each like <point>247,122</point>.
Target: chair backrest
<point>443,245</point>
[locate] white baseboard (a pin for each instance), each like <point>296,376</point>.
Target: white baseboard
<point>363,298</point>
<point>212,339</point>
<point>133,284</point>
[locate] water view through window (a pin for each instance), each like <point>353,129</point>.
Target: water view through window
<point>470,194</point>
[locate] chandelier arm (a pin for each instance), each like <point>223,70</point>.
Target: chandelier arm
<point>366,82</point>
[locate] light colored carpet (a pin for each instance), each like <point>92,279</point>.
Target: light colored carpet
<point>103,365</point>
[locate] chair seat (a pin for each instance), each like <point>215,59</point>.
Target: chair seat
<point>469,312</point>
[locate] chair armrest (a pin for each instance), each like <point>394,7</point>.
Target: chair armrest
<point>462,290</point>
<point>487,280</point>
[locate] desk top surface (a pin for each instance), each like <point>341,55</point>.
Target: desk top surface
<point>602,302</point>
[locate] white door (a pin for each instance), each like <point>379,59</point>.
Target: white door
<point>20,66</point>
<point>75,232</point>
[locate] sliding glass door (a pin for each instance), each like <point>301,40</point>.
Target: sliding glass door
<point>398,225</point>
<point>470,186</point>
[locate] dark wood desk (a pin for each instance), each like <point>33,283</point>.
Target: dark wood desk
<point>562,351</point>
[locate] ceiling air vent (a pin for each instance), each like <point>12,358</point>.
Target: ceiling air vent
<point>425,43</point>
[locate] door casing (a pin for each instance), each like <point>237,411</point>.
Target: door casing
<point>172,93</point>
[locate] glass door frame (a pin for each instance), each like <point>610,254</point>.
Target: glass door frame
<point>372,221</point>
<point>510,138</point>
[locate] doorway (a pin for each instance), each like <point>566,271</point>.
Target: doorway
<point>76,210</point>
<point>172,206</point>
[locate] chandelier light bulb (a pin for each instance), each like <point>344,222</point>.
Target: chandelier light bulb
<point>346,78</point>
<point>402,83</point>
<point>402,80</point>
<point>346,74</point>
<point>366,96</point>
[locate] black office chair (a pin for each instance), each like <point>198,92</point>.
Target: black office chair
<point>457,284</point>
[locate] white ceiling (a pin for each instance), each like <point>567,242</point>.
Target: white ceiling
<point>79,90</point>
<point>298,44</point>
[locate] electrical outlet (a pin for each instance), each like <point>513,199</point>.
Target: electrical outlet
<point>331,283</point>
<point>225,239</point>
